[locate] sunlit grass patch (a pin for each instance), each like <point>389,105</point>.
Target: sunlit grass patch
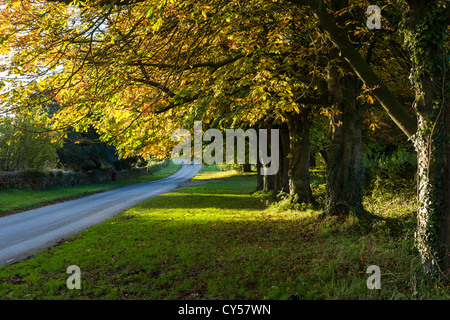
<point>213,172</point>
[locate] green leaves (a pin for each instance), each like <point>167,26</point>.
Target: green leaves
<point>149,14</point>
<point>24,145</point>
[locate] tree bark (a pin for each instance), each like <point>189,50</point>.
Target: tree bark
<point>424,20</point>
<point>312,159</point>
<point>293,174</point>
<point>433,190</point>
<point>268,183</point>
<point>265,183</point>
<point>343,192</point>
<point>259,177</point>
<point>282,178</point>
<point>299,178</point>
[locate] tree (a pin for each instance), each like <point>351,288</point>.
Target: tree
<point>425,29</point>
<point>350,99</point>
<point>84,152</point>
<point>21,148</point>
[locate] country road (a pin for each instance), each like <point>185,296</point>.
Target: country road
<point>25,233</point>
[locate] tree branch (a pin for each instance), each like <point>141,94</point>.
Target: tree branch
<point>174,105</point>
<point>393,107</point>
<point>102,2</point>
<point>155,84</point>
<point>213,65</point>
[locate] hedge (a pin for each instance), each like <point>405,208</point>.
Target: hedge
<point>38,180</point>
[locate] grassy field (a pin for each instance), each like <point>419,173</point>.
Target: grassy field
<point>219,240</point>
<point>15,200</point>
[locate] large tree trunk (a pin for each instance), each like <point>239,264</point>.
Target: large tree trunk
<point>293,173</point>
<point>259,176</point>
<point>312,159</point>
<point>344,164</point>
<point>430,79</point>
<point>433,190</point>
<point>299,178</point>
<point>282,178</point>
<point>268,183</point>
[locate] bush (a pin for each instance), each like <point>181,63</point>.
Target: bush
<point>286,202</point>
<point>23,149</point>
<point>39,180</point>
<point>389,173</point>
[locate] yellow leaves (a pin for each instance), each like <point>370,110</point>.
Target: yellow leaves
<point>373,126</point>
<point>366,95</point>
<point>17,133</point>
<point>374,120</point>
<point>149,14</point>
<point>332,112</point>
<point>4,49</point>
<point>103,94</point>
<point>158,24</point>
<point>360,31</point>
<point>205,10</point>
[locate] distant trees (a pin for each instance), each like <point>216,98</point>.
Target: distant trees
<point>26,146</point>
<point>21,148</point>
<point>85,152</point>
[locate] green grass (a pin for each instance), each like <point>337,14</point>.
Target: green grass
<point>219,241</point>
<point>14,200</point>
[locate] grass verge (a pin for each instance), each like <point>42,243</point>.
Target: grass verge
<point>219,241</point>
<point>15,200</point>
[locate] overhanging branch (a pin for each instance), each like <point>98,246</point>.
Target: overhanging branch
<point>212,65</point>
<point>102,2</point>
<point>339,37</point>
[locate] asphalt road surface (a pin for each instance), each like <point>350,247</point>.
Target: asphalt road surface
<point>25,233</point>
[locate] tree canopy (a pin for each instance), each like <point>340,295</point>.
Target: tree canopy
<point>137,72</point>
